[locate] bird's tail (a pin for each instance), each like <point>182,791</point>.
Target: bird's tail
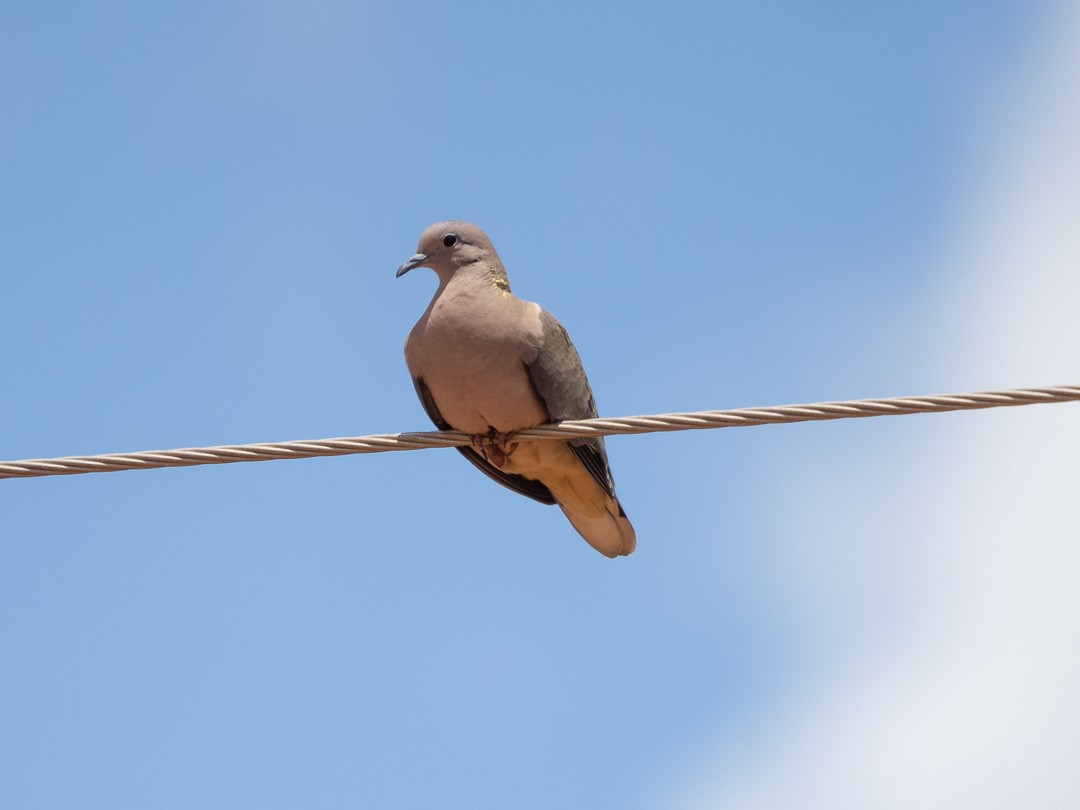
<point>602,522</point>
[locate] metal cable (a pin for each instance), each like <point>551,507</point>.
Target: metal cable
<point>740,417</point>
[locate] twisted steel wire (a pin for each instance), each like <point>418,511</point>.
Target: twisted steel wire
<point>739,417</point>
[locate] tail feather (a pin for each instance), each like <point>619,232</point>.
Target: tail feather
<point>590,507</point>
<point>606,529</point>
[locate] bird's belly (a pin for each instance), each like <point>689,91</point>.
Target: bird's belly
<point>478,386</point>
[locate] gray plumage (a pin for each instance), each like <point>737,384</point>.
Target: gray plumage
<point>489,364</point>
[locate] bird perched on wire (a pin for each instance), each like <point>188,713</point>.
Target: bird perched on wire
<point>489,364</point>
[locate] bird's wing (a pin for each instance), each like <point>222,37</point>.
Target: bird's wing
<point>561,385</point>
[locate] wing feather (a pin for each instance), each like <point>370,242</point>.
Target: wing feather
<point>560,382</point>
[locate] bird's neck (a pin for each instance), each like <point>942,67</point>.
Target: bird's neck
<point>477,276</point>
<point>497,276</point>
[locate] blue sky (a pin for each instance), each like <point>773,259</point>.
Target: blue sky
<point>726,205</point>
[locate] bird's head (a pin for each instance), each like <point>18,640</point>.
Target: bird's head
<point>447,246</point>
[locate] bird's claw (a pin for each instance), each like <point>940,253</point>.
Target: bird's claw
<point>494,446</point>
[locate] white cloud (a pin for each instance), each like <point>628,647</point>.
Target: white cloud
<point>972,698</point>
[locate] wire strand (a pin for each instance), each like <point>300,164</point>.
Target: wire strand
<point>739,417</point>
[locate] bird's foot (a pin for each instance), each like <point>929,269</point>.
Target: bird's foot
<point>505,442</point>
<point>494,446</point>
<point>480,444</point>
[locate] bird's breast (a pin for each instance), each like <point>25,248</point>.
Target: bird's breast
<point>471,349</point>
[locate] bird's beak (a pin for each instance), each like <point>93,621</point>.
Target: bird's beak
<point>416,261</point>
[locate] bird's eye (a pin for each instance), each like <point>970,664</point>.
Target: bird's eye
<point>450,239</point>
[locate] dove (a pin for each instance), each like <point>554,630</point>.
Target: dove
<point>490,364</point>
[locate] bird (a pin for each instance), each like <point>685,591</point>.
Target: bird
<point>490,365</point>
